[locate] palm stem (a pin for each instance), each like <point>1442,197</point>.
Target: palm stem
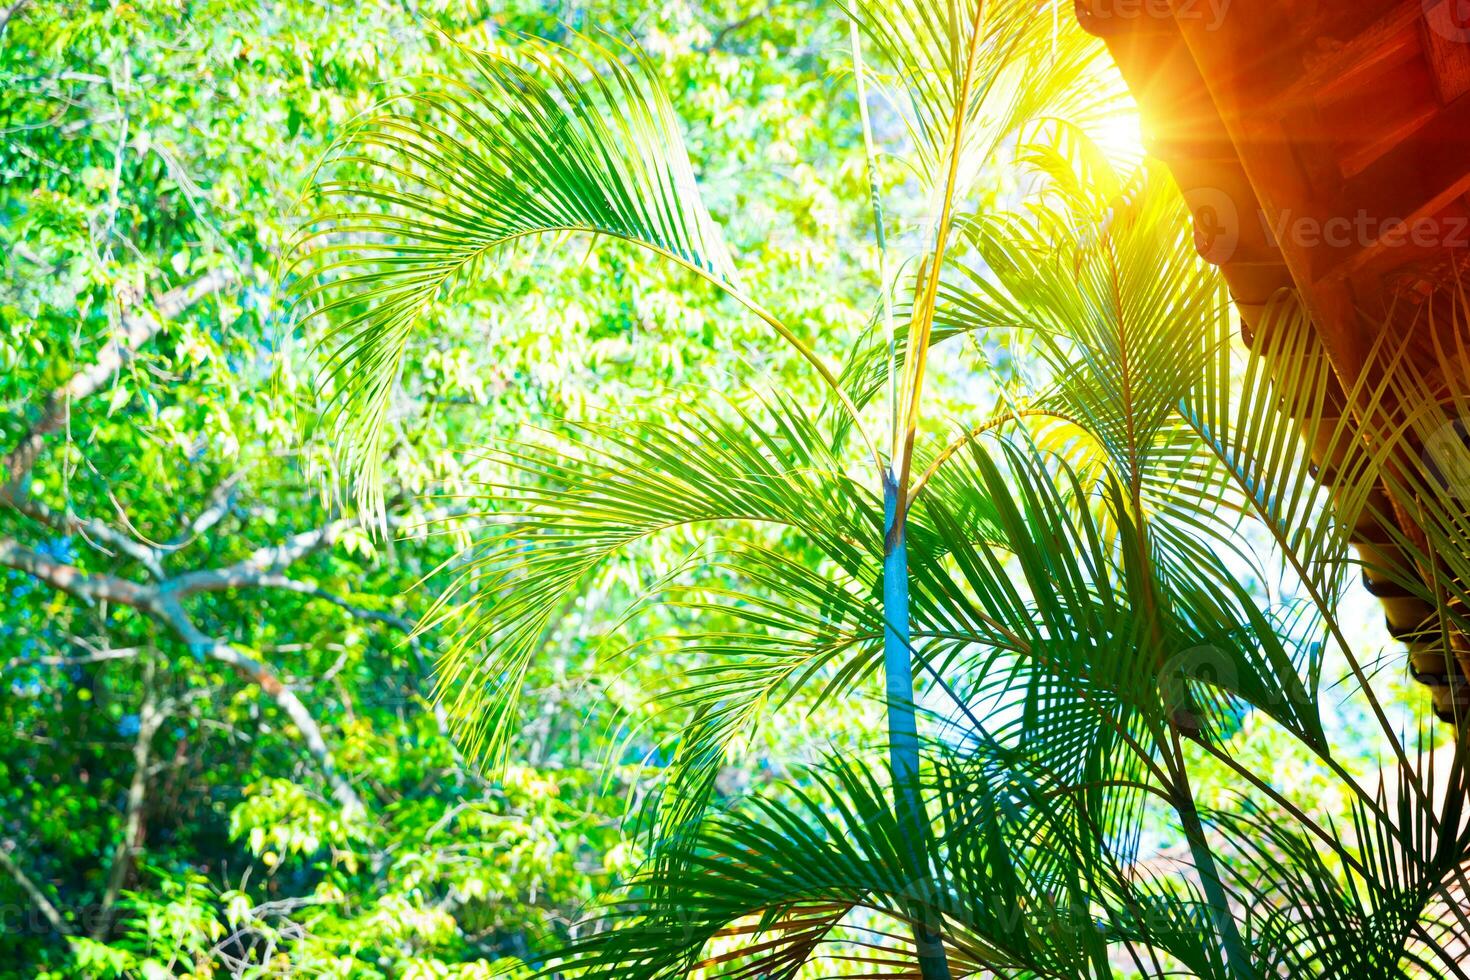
<point>903,732</point>
<point>1238,960</point>
<point>903,729</point>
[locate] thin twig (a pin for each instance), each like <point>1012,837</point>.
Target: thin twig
<point>37,896</point>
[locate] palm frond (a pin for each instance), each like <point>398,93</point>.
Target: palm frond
<point>1049,617</point>
<point>984,68</point>
<point>625,481</point>
<point>541,140</point>
<point>1385,899</point>
<point>814,877</point>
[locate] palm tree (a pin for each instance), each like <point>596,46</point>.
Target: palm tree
<point>1067,572</point>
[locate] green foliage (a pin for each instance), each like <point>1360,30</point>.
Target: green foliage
<point>148,145</point>
<point>568,236</point>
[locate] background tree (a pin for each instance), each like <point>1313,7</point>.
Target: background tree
<point>206,661</point>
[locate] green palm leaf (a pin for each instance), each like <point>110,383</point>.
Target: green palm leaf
<point>625,482</point>
<point>541,141</point>
<point>1023,66</point>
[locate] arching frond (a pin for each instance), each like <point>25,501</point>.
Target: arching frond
<point>1098,280</point>
<point>984,68</point>
<point>1078,642</point>
<point>825,875</point>
<point>1384,898</point>
<point>540,140</point>
<point>1258,436</point>
<point>626,481</point>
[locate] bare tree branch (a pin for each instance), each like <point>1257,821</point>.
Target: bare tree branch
<point>202,645</point>
<point>136,330</point>
<point>220,500</point>
<point>100,535</point>
<point>404,625</point>
<point>37,896</point>
<point>91,589</point>
<point>162,603</point>
<point>261,563</point>
<point>95,657</point>
<point>273,580</point>
<point>720,36</point>
<point>8,14</point>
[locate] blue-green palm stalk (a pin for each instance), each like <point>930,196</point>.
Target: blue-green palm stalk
<point>945,127</point>
<point>1070,563</point>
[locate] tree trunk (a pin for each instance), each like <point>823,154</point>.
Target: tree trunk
<point>903,736</point>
